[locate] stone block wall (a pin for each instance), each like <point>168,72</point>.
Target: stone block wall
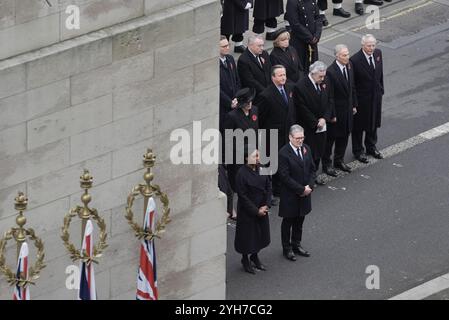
<point>97,100</point>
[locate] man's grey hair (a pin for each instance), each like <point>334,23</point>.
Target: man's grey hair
<point>368,37</point>
<point>295,128</point>
<point>253,38</point>
<point>339,47</point>
<point>317,66</point>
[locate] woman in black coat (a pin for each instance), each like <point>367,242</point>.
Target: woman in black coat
<point>254,196</point>
<point>285,55</point>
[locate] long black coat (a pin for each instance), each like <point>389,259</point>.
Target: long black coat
<point>266,9</point>
<point>229,85</point>
<point>251,74</point>
<point>290,60</point>
<point>345,98</point>
<point>370,89</point>
<point>235,19</point>
<point>252,231</point>
<point>236,119</point>
<point>295,174</point>
<point>274,113</point>
<point>310,106</point>
<point>305,23</point>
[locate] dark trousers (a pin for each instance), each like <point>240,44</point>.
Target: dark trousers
<point>291,228</point>
<point>322,4</point>
<point>259,25</point>
<point>235,37</point>
<point>370,141</point>
<point>339,152</point>
<point>225,186</point>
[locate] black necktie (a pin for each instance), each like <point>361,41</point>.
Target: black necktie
<point>260,61</point>
<point>371,62</point>
<point>345,73</point>
<point>318,88</point>
<point>298,153</point>
<point>284,95</point>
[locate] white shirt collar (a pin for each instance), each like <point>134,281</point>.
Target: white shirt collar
<point>294,148</point>
<point>313,81</point>
<point>341,66</point>
<point>367,57</point>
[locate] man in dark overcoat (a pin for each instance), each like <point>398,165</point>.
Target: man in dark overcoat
<point>276,112</point>
<point>306,26</point>
<point>314,105</point>
<point>265,13</point>
<point>341,78</point>
<point>254,196</point>
<point>296,170</point>
<point>254,65</point>
<point>235,21</point>
<point>369,82</point>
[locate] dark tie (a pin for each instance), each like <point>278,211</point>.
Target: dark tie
<point>318,88</point>
<point>345,73</point>
<point>284,95</point>
<point>298,153</point>
<point>371,62</point>
<point>260,62</point>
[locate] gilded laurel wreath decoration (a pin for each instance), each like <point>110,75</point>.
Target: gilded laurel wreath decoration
<point>20,235</point>
<point>147,190</point>
<point>85,213</point>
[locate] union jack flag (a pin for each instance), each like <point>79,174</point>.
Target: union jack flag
<point>22,293</point>
<point>87,289</point>
<point>146,275</point>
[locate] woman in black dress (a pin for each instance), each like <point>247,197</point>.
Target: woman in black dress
<point>254,197</point>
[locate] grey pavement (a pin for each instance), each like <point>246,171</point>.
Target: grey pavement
<point>393,214</point>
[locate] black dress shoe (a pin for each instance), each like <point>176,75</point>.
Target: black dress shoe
<point>376,154</point>
<point>362,158</point>
<point>330,171</point>
<point>247,266</point>
<point>239,49</point>
<point>289,255</point>
<point>388,0</point>
<point>342,166</point>
<point>359,9</point>
<point>300,251</point>
<point>374,2</point>
<point>257,263</point>
<point>342,13</point>
<point>324,19</point>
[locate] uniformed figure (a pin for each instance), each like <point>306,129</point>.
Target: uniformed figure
<point>359,6</point>
<point>341,78</point>
<point>245,117</point>
<point>338,10</point>
<point>285,55</point>
<point>369,81</point>
<point>265,14</point>
<point>315,109</point>
<point>235,21</point>
<point>254,196</point>
<point>306,26</point>
<point>297,172</point>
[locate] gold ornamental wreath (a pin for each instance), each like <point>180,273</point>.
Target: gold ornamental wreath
<point>34,270</point>
<point>82,255</point>
<point>160,224</point>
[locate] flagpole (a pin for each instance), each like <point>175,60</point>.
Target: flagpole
<point>85,183</point>
<point>149,159</point>
<point>20,205</point>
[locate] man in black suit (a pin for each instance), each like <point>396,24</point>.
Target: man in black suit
<point>306,26</point>
<point>314,105</point>
<point>254,65</point>
<point>296,170</point>
<point>276,112</point>
<point>229,81</point>
<point>341,78</point>
<point>369,81</point>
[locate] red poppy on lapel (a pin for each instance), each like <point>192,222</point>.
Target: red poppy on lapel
<point>304,150</point>
<point>263,60</point>
<point>254,117</point>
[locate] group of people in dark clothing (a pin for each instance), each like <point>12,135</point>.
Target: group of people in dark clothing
<point>313,108</point>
